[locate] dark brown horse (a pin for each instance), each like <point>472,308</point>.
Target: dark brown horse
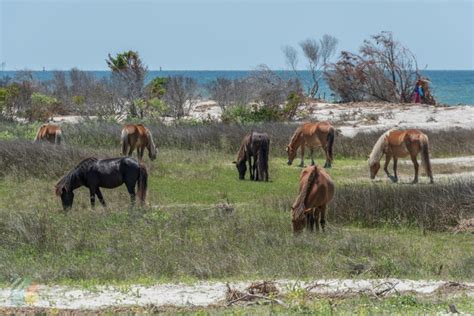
<point>104,173</point>
<point>139,137</point>
<point>397,144</point>
<point>316,191</point>
<point>313,135</point>
<point>255,146</point>
<point>50,133</point>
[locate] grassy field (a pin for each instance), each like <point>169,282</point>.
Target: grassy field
<point>202,223</point>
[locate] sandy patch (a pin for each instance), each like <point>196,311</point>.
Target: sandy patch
<point>207,293</point>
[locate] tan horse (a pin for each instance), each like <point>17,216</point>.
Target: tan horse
<point>139,137</point>
<point>313,135</point>
<point>51,133</point>
<point>316,191</point>
<point>398,144</point>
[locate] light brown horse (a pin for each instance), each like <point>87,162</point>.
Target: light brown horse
<point>139,137</point>
<point>397,144</point>
<point>51,133</point>
<point>316,191</point>
<point>313,135</point>
<point>257,146</point>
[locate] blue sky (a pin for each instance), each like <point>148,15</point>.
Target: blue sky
<point>225,34</point>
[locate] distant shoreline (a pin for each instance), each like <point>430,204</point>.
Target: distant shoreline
<point>451,87</point>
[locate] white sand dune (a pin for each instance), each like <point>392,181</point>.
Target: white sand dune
<point>207,293</point>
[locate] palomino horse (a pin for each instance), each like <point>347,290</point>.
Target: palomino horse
<point>254,145</point>
<point>105,173</point>
<point>51,133</point>
<point>312,135</point>
<point>316,191</point>
<point>137,136</point>
<point>397,144</point>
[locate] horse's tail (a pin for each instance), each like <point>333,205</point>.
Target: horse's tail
<point>38,134</point>
<point>301,200</point>
<point>58,137</point>
<point>142,184</point>
<point>330,142</point>
<point>262,159</point>
<point>124,141</point>
<point>425,156</point>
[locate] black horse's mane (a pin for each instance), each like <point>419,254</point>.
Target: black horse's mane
<point>66,180</point>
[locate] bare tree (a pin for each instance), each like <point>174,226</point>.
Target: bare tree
<point>270,88</point>
<point>222,90</point>
<point>317,55</point>
<point>181,95</point>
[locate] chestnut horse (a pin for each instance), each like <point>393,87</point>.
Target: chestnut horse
<point>139,137</point>
<point>316,191</point>
<point>254,145</point>
<point>51,133</point>
<point>313,135</point>
<point>398,144</point>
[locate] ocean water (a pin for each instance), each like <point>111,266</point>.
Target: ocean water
<point>449,86</point>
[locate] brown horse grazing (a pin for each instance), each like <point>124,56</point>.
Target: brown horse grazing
<point>137,136</point>
<point>312,135</point>
<point>316,191</point>
<point>254,145</point>
<point>51,133</point>
<point>397,144</point>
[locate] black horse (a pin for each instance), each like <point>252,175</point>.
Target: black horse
<point>103,173</point>
<point>257,146</point>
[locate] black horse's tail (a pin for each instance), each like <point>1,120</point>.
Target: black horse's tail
<point>142,184</point>
<point>262,160</point>
<point>330,144</point>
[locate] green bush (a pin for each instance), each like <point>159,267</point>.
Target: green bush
<point>244,114</point>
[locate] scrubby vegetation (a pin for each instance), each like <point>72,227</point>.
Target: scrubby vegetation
<point>197,206</point>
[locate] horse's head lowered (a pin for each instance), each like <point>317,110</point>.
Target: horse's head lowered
<point>67,196</point>
<point>298,217</point>
<point>291,154</point>
<point>241,168</point>
<point>373,169</point>
<point>151,146</point>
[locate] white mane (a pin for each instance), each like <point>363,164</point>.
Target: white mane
<point>378,150</point>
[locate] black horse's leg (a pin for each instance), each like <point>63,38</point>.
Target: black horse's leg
<point>92,191</point>
<point>252,174</point>
<point>100,196</point>
<point>131,191</point>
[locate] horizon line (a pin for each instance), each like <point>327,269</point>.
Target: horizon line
<point>165,70</point>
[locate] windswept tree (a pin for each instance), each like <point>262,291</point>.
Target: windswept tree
<point>317,55</point>
<point>128,76</point>
<point>384,70</point>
